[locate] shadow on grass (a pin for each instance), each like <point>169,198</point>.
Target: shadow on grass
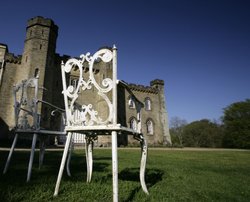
<point>18,167</point>
<point>16,175</point>
<point>152,176</point>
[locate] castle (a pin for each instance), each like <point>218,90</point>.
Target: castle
<point>39,54</point>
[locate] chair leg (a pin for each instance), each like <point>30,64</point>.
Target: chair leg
<point>31,156</point>
<point>42,151</point>
<point>89,156</point>
<point>10,154</point>
<point>65,153</point>
<point>144,149</point>
<point>69,157</point>
<point>115,166</point>
<point>144,153</point>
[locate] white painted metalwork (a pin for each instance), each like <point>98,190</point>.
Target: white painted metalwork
<point>89,116</point>
<point>79,138</point>
<point>84,115</point>
<point>89,155</point>
<point>27,120</point>
<point>114,133</point>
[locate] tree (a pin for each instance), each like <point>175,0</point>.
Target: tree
<point>176,130</point>
<point>236,121</point>
<point>203,133</point>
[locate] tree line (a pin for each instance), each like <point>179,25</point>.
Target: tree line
<point>232,132</point>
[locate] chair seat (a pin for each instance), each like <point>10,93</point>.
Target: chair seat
<point>105,129</point>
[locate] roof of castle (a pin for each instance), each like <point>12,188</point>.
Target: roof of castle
<point>142,88</point>
<point>46,22</point>
<point>11,58</point>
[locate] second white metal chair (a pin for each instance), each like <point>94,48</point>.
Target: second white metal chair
<point>28,118</point>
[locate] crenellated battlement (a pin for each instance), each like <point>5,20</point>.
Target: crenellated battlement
<point>38,20</point>
<point>142,88</point>
<point>11,58</point>
<point>153,88</point>
<point>157,82</point>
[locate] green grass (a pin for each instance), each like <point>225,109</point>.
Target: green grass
<point>171,176</point>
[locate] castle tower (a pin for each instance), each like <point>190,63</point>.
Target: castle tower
<point>39,59</point>
<point>159,84</point>
<point>39,52</point>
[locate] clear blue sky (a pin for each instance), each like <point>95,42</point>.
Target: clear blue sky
<point>200,48</point>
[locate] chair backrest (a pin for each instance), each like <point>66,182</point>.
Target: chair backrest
<point>25,104</point>
<point>90,89</point>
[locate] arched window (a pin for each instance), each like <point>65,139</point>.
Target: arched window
<point>150,127</point>
<point>131,102</point>
<point>133,123</point>
<point>147,104</point>
<point>74,82</point>
<point>1,70</point>
<point>36,74</point>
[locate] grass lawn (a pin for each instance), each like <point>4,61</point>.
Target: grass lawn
<point>171,175</point>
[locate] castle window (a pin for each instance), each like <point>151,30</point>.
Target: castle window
<point>41,46</point>
<point>131,102</point>
<point>148,104</point>
<point>1,71</point>
<point>133,123</point>
<point>26,59</point>
<point>36,74</point>
<point>150,127</point>
<point>74,82</point>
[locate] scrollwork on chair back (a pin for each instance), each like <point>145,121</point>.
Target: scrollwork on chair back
<point>25,98</point>
<point>89,89</point>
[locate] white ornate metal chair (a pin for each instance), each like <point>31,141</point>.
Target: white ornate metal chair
<point>27,120</point>
<point>97,115</point>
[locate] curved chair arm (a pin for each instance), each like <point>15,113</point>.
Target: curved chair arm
<point>51,105</point>
<point>42,88</point>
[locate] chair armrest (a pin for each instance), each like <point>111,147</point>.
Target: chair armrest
<point>53,106</point>
<point>28,111</point>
